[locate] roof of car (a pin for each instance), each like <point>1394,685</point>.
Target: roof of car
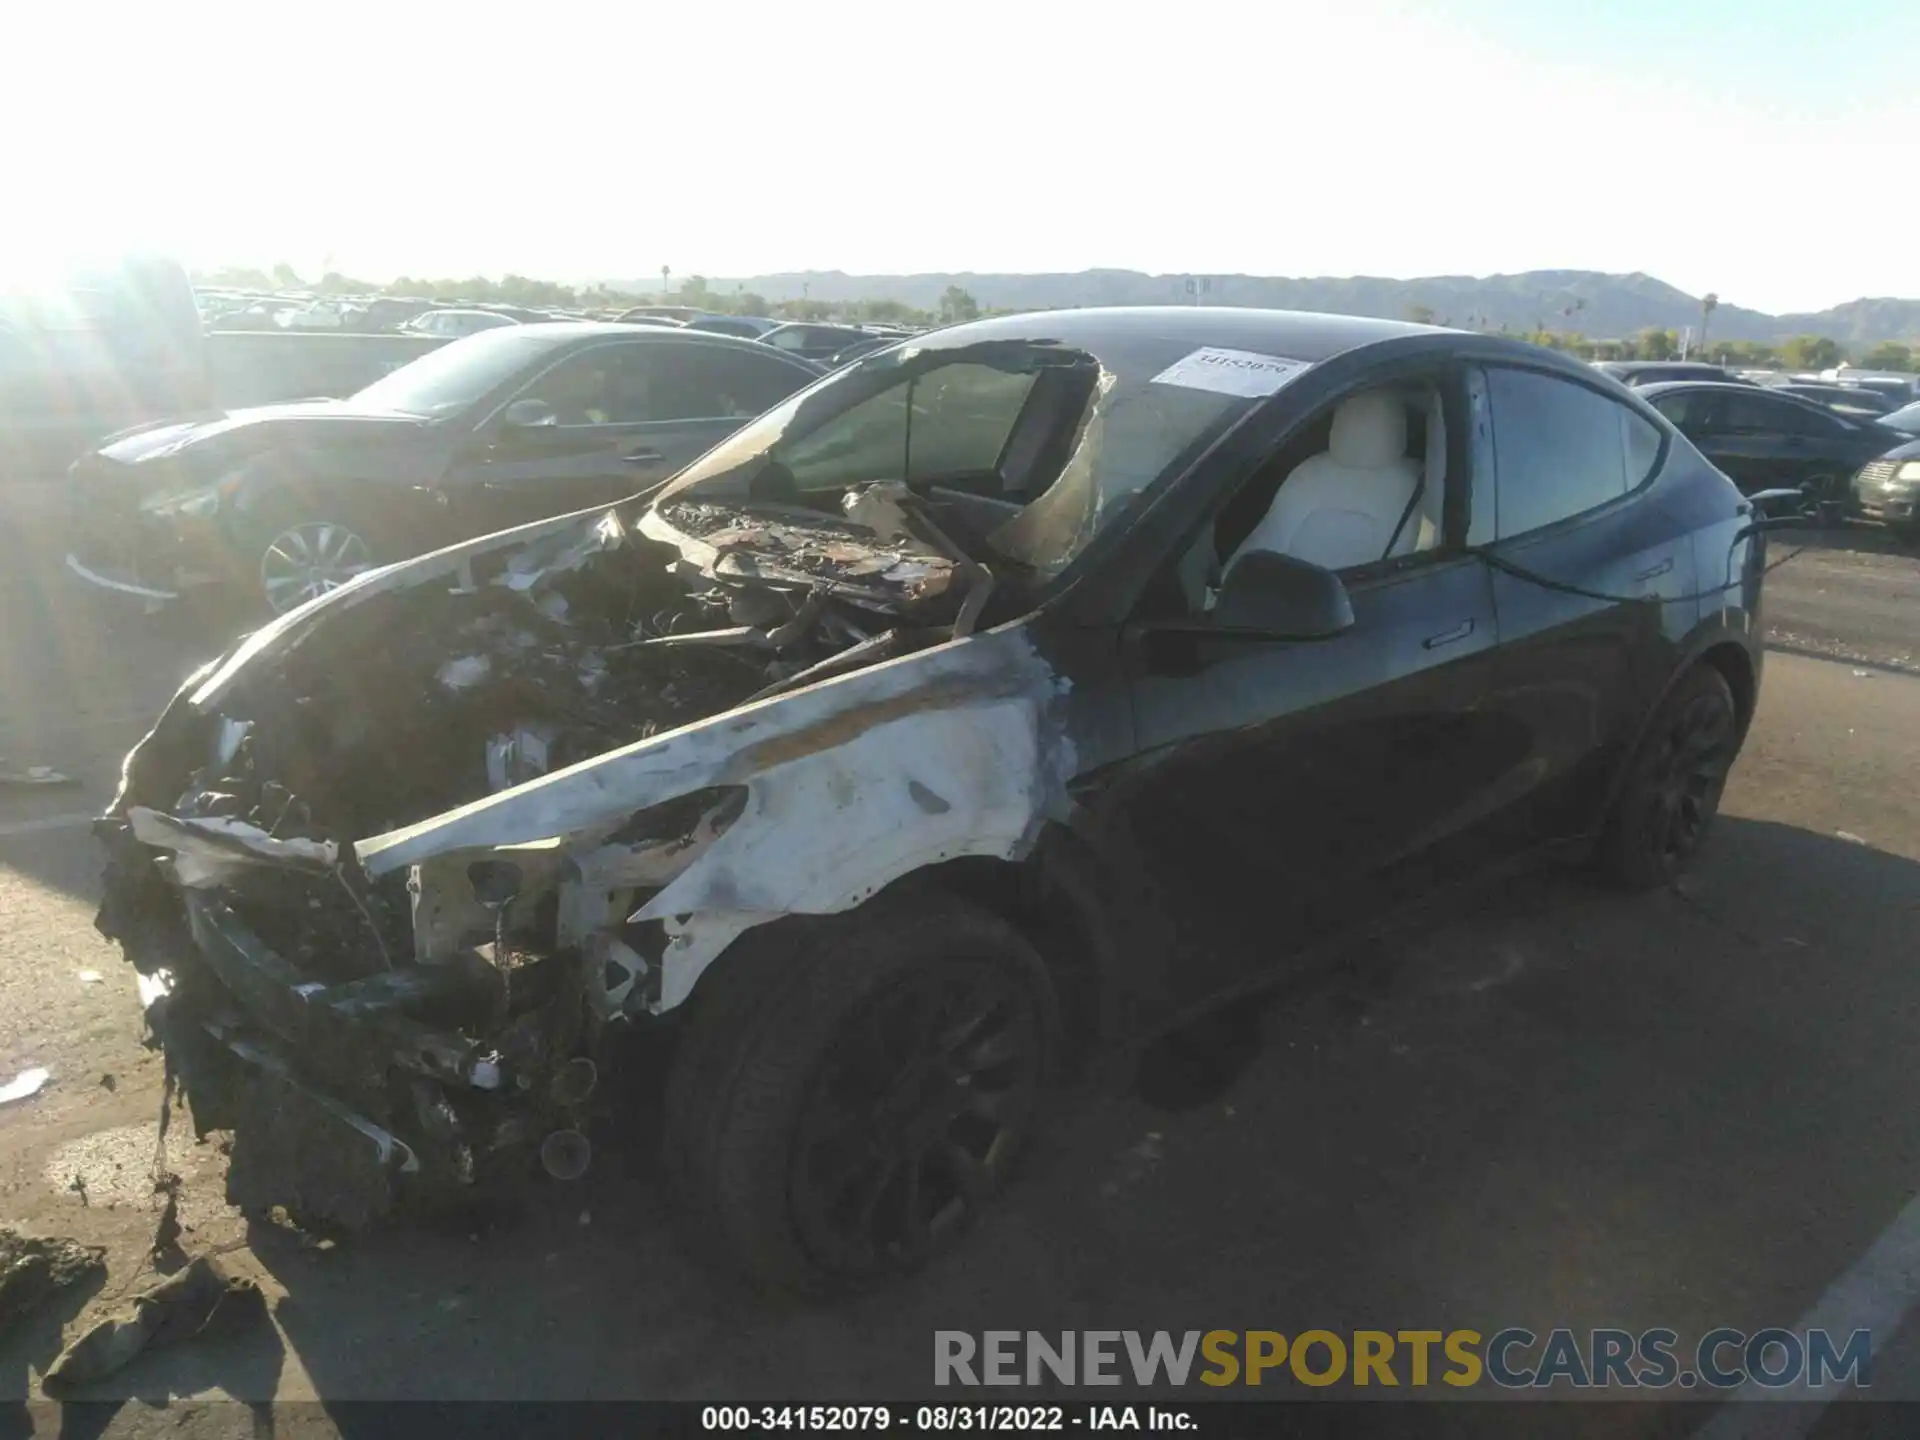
<point>1785,397</point>
<point>1292,334</point>
<point>1665,387</point>
<point>1660,365</point>
<point>818,325</point>
<point>561,332</point>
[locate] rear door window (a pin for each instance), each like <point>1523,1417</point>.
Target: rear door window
<point>1694,413</point>
<point>1755,415</point>
<point>1561,449</point>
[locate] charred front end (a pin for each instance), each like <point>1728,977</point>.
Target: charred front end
<point>382,1021</point>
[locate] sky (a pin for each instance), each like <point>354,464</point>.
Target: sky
<point>1761,149</point>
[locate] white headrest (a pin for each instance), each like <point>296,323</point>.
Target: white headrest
<point>1369,431</point>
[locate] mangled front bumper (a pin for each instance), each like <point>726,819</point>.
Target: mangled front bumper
<point>345,1098</point>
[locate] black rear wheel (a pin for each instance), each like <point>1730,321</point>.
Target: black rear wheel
<point>1672,791</point>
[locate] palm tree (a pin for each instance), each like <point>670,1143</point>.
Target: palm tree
<point>1708,304</point>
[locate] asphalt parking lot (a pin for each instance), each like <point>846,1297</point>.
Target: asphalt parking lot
<point>1549,1106</point>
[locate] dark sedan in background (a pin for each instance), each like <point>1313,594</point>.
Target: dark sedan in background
<point>814,342</point>
<point>1766,439</point>
<point>1636,373</point>
<point>1847,399</point>
<point>515,424</point>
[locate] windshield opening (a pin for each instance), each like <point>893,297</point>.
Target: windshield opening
<point>1024,449</point>
<point>454,377</point>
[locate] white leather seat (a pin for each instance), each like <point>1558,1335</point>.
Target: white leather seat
<point>1340,508</point>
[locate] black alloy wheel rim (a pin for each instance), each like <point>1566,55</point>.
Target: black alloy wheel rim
<point>912,1122</point>
<point>1696,751</point>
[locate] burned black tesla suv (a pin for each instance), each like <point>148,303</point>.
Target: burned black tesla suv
<point>1025,689</point>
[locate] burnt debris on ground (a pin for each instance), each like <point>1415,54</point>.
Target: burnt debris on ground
<point>201,1301</point>
<point>33,1269</point>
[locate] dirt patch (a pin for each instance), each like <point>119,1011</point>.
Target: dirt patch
<point>116,1167</point>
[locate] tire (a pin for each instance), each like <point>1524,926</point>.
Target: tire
<point>849,1094</point>
<point>1671,794</point>
<point>1826,501</point>
<point>295,552</point>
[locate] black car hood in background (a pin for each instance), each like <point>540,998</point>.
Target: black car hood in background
<point>313,437</point>
<point>320,421</point>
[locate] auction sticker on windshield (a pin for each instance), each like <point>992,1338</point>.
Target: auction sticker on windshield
<point>1230,372</point>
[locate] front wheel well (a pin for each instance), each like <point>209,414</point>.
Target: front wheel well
<point>1045,900</point>
<point>1736,668</point>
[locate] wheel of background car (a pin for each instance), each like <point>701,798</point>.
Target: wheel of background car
<point>850,1093</point>
<point>307,558</point>
<point>1672,790</point>
<point>1824,497</point>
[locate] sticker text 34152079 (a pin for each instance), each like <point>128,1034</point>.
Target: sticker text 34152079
<point>1231,372</point>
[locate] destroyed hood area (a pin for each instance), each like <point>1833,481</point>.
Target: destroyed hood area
<point>395,867</point>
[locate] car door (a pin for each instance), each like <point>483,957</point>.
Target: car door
<point>1776,441</point>
<point>1736,432</point>
<point>1828,447</point>
<point>610,420</point>
<point>1592,586</point>
<point>1287,791</point>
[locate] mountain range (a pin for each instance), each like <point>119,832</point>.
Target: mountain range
<point>1588,301</point>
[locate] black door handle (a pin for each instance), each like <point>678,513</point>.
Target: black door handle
<point>1447,637</point>
<point>642,457</point>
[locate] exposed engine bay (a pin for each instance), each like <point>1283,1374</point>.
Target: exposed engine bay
<point>391,868</point>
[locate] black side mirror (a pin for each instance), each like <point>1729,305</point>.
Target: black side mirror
<point>1283,597</point>
<point>529,414</point>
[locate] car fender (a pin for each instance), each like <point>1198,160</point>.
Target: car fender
<point>851,784</point>
<point>1719,627</point>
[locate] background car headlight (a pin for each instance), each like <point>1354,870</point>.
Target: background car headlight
<point>1910,471</point>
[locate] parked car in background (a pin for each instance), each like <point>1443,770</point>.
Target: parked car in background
<point>456,323</point>
<point>1848,399</point>
<point>877,808</point>
<point>1768,439</point>
<point>1634,373</point>
<point>261,314</point>
<point>678,314</point>
<point>813,341</point>
<point>1899,388</point>
<point>747,327</point>
<point>388,312</point>
<point>323,315</point>
<point>525,314</point>
<point>517,423</point>
<point>92,350</point>
<point>1906,419</point>
<point>861,348</point>
<point>1887,491</point>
